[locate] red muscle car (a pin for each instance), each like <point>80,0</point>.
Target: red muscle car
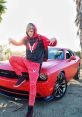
<point>61,66</point>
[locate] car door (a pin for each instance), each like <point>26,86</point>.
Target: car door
<point>70,65</point>
<point>76,62</point>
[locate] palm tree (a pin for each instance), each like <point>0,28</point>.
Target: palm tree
<point>2,8</point>
<point>78,22</point>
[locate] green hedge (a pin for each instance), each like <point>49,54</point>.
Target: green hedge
<point>78,53</point>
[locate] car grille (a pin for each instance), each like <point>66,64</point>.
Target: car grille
<point>13,75</point>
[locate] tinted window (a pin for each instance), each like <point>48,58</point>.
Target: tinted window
<point>57,54</point>
<point>72,53</point>
<point>69,53</point>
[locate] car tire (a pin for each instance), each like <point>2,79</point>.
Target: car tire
<point>77,75</point>
<point>60,87</point>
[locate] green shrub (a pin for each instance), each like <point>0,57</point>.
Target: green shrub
<point>78,53</point>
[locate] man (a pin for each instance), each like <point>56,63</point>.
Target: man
<point>35,52</point>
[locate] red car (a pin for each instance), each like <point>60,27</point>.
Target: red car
<point>62,65</point>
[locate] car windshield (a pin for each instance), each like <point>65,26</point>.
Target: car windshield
<point>54,53</point>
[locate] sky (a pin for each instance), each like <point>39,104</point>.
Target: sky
<point>53,18</point>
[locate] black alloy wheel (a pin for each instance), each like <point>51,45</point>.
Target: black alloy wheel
<point>60,87</point>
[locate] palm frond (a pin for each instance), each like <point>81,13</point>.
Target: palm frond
<point>2,8</point>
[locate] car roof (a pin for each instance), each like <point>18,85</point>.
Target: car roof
<point>60,48</point>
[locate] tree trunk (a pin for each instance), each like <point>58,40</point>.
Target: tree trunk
<point>81,41</point>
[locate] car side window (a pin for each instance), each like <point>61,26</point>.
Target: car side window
<point>68,55</point>
<point>72,53</point>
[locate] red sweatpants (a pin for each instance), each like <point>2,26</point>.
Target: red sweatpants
<point>21,64</point>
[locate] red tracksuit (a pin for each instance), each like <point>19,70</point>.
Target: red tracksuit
<point>35,47</point>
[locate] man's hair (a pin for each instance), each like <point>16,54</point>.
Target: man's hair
<point>30,26</point>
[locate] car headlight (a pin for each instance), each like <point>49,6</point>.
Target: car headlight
<point>43,77</point>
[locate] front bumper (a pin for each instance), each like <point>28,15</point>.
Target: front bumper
<point>9,78</point>
<point>9,93</point>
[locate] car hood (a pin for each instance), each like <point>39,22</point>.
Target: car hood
<point>50,63</point>
<point>47,64</point>
<point>5,65</point>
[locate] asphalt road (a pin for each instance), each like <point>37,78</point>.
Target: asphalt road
<point>69,106</point>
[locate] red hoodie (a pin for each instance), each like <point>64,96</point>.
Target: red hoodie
<point>36,46</point>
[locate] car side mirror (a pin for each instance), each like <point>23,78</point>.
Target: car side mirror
<point>72,58</point>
